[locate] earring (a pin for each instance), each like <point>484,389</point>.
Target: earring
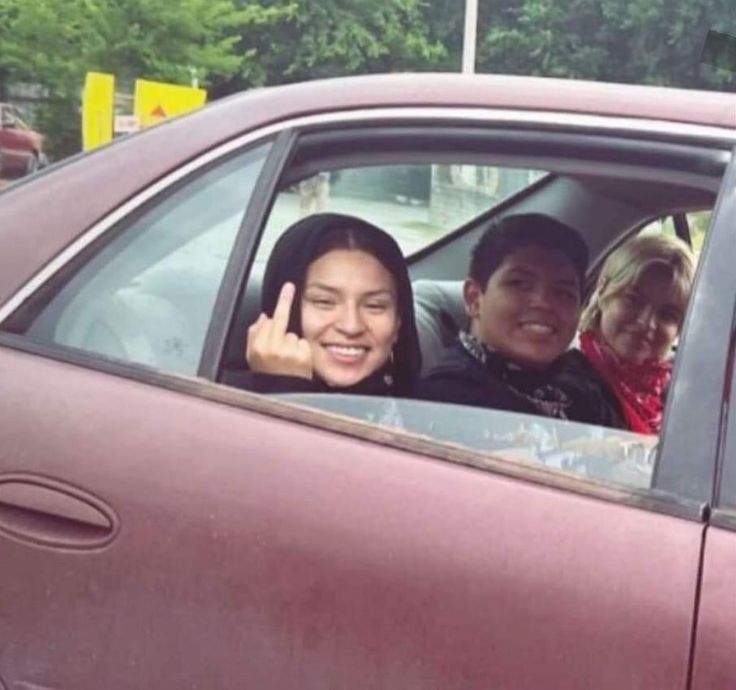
<point>388,378</point>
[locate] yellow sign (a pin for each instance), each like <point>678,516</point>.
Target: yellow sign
<point>97,110</point>
<point>156,101</point>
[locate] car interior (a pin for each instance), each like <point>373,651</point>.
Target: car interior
<point>606,188</point>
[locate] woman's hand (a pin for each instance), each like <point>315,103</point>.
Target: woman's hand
<point>270,349</point>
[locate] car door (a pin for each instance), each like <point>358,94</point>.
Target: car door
<point>161,530</point>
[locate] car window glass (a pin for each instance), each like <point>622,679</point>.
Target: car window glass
<point>417,204</point>
<point>609,455</point>
<point>147,297</point>
<point>698,222</point>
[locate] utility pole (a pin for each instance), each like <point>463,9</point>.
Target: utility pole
<point>470,36</point>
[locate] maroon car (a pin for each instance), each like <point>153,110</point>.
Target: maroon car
<point>21,148</point>
<point>162,529</point>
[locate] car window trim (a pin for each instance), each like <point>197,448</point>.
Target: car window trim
<point>426,449</point>
<point>243,254</point>
<point>694,431</point>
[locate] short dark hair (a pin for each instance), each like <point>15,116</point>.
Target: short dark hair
<point>507,234</point>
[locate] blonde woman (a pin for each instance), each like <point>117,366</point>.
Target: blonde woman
<point>632,321</point>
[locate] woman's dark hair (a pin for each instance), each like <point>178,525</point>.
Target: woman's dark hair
<point>508,234</point>
<point>313,237</point>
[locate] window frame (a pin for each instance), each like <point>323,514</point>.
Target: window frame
<point>704,364</point>
<point>654,500</point>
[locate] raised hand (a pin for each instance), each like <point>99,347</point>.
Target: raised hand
<point>270,349</point>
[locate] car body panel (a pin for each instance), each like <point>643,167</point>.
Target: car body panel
<point>306,559</point>
<point>715,661</point>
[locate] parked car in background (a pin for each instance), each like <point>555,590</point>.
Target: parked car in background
<point>21,148</point>
<point>162,529</point>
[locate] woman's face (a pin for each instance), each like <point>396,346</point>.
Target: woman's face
<point>349,315</point>
<point>641,321</point>
<point>529,309</point>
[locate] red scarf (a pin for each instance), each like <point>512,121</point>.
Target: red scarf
<point>638,387</point>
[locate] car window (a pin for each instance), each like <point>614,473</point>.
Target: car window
<point>148,295</point>
<point>697,221</point>
<point>417,204</point>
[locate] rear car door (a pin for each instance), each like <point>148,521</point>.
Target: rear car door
<point>160,530</point>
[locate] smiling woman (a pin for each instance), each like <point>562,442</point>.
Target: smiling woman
<point>337,313</point>
<point>632,321</point>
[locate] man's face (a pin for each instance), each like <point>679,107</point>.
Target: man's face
<point>529,309</point>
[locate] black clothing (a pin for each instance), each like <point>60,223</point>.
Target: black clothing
<point>567,389</point>
<point>379,383</point>
<point>293,253</point>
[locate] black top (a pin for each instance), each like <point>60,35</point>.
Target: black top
<point>470,374</point>
<point>378,383</point>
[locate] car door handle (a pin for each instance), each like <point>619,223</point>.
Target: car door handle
<point>47,512</point>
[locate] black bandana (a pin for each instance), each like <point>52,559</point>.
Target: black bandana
<point>532,386</point>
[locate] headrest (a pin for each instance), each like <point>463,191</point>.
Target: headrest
<point>440,314</point>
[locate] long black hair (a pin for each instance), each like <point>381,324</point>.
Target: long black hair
<point>316,235</point>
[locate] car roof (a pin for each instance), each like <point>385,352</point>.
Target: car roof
<point>708,108</point>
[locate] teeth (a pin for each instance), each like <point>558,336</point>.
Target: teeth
<point>347,351</point>
<point>539,328</point>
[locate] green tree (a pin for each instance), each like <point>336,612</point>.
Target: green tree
<point>54,43</point>
<point>636,41</point>
<point>325,38</point>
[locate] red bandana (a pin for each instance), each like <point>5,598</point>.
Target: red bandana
<point>638,387</point>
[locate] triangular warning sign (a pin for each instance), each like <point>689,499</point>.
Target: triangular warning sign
<point>158,112</point>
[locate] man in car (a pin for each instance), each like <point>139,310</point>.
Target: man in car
<point>523,299</point>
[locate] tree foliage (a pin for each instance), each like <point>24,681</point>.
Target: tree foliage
<point>235,44</point>
<point>54,43</point>
<point>636,41</point>
<point>325,38</point>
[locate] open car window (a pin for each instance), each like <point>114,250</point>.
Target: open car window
<point>419,205</point>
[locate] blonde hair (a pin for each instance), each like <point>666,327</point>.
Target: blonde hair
<point>625,265</point>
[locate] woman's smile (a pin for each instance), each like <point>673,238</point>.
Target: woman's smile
<point>347,354</point>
